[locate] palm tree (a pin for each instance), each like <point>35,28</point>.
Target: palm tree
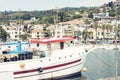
<point>109,29</point>
<point>85,35</point>
<point>118,31</point>
<point>103,28</point>
<point>96,26</point>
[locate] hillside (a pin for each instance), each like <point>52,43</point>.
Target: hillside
<point>63,14</point>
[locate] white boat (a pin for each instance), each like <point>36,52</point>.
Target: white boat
<point>64,59</point>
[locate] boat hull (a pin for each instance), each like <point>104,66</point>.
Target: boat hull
<point>54,67</point>
<point>53,72</point>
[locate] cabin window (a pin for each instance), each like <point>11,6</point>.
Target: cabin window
<point>15,36</point>
<point>42,54</point>
<point>61,45</point>
<point>37,32</point>
<point>71,41</point>
<point>38,45</point>
<point>40,60</point>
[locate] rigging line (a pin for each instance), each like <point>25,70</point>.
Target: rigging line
<point>109,73</point>
<point>103,61</point>
<point>90,61</point>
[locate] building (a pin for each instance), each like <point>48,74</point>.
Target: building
<point>15,32</point>
<point>37,31</point>
<point>101,34</point>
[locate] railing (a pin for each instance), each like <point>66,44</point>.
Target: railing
<point>18,57</point>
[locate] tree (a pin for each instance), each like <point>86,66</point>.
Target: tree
<point>25,36</point>
<point>96,26</point>
<point>111,4</point>
<point>85,35</point>
<point>103,28</point>
<point>77,16</point>
<point>118,31</point>
<point>26,16</point>
<point>109,29</point>
<point>3,34</point>
<point>90,15</point>
<point>112,13</point>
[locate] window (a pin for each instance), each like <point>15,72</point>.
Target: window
<point>37,32</point>
<point>38,45</point>
<point>102,33</point>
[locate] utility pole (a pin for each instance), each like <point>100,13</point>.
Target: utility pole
<point>116,49</point>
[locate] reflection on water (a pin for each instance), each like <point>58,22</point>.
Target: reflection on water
<point>100,64</point>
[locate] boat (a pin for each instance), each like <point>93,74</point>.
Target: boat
<point>47,58</point>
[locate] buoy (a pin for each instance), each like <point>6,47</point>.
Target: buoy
<point>84,69</point>
<point>22,65</point>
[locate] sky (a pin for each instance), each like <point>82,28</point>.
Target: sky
<point>31,5</point>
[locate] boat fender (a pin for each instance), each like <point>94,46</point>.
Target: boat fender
<point>22,65</point>
<point>40,69</point>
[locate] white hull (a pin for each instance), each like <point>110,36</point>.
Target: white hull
<point>51,73</point>
<point>69,61</point>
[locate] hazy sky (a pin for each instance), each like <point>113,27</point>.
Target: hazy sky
<point>30,5</point>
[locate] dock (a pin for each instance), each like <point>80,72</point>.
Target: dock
<point>112,78</point>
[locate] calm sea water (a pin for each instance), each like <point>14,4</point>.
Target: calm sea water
<point>100,64</point>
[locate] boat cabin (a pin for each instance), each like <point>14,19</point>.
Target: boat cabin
<point>33,53</point>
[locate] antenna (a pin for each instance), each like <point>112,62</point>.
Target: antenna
<point>61,31</point>
<point>55,22</point>
<point>56,31</point>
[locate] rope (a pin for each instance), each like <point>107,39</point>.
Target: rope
<point>103,61</point>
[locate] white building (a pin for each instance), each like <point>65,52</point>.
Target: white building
<point>15,32</point>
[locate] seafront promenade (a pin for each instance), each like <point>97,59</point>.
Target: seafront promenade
<point>112,78</point>
<point>107,46</point>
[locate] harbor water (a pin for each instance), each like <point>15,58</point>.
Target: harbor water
<point>100,65</point>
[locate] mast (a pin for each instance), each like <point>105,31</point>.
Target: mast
<point>55,22</point>
<point>56,31</point>
<point>61,31</point>
<point>116,49</point>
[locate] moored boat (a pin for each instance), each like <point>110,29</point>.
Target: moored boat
<point>64,59</point>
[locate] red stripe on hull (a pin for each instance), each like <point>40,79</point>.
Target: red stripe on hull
<point>46,68</point>
<point>50,72</point>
